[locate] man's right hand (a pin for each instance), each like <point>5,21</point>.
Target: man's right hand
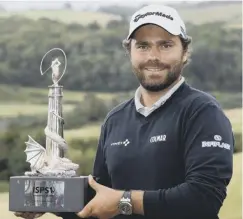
<point>28,215</point>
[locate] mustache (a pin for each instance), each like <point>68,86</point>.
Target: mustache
<point>154,64</point>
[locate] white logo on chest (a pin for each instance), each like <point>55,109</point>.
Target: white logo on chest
<point>157,138</point>
<point>125,143</point>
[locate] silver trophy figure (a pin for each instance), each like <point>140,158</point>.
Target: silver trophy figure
<point>52,185</point>
<point>51,161</point>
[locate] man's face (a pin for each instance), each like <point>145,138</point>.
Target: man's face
<point>156,57</point>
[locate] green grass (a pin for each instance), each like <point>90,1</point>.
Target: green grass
<point>20,94</point>
<point>66,16</point>
<point>18,100</point>
<point>228,100</point>
<point>235,117</point>
<point>16,109</point>
<point>4,186</point>
<point>231,208</point>
<point>88,131</point>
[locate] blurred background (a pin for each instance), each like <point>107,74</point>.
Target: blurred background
<point>99,75</point>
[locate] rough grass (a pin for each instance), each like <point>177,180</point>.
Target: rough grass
<point>66,16</point>
<point>232,207</point>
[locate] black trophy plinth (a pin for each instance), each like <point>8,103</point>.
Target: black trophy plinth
<point>48,194</point>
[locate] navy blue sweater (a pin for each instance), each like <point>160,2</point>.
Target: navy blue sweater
<point>180,155</point>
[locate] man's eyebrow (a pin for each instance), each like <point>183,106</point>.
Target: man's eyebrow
<point>164,41</point>
<point>142,43</point>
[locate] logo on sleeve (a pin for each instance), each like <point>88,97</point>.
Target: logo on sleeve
<point>216,143</point>
<point>217,138</point>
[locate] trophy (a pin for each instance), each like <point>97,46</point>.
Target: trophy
<point>52,185</point>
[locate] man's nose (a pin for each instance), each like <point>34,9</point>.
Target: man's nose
<point>154,53</point>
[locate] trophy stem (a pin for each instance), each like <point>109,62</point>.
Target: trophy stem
<point>55,121</point>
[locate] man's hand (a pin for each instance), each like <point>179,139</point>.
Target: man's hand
<point>28,215</point>
<point>105,203</point>
<point>32,215</point>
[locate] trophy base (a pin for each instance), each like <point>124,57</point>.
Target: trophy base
<point>49,194</point>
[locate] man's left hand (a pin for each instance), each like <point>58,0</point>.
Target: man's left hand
<point>105,203</point>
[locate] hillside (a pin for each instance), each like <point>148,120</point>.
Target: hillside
<point>196,14</point>
<point>66,16</point>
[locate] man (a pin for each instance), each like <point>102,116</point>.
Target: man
<point>166,153</point>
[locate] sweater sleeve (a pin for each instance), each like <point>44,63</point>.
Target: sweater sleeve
<point>67,215</point>
<point>208,153</point>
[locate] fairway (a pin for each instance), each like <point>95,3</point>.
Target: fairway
<point>18,94</point>
<point>235,117</point>
<point>230,210</point>
<point>15,101</point>
<point>13,110</point>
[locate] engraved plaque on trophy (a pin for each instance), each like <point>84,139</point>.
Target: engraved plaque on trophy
<point>52,185</point>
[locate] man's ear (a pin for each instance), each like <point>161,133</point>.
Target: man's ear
<point>185,56</point>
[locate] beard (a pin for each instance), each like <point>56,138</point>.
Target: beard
<point>171,74</point>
